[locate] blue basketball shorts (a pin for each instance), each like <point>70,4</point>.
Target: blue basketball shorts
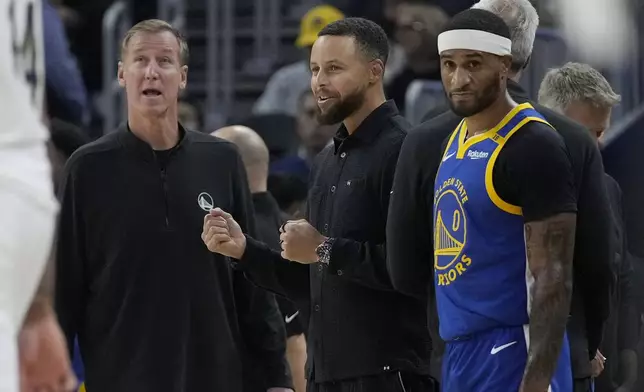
<point>494,361</point>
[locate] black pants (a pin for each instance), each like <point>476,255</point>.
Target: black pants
<point>385,382</point>
<point>582,385</point>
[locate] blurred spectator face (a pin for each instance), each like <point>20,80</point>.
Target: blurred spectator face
<point>472,80</point>
<point>314,136</point>
<point>188,116</point>
<point>152,72</point>
<point>593,117</point>
<point>339,78</point>
<point>417,28</point>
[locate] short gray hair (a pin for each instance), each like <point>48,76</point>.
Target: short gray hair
<point>575,82</point>
<point>522,20</point>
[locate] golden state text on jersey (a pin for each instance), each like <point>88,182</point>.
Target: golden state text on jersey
<point>480,263</point>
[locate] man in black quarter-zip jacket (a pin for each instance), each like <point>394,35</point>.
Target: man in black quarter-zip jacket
<point>153,309</point>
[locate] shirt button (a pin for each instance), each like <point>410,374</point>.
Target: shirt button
<point>340,272</point>
<point>326,226</point>
<point>333,189</point>
<point>349,183</point>
<point>320,267</point>
<point>317,308</point>
<point>344,154</point>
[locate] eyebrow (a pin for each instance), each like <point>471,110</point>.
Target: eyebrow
<point>141,49</point>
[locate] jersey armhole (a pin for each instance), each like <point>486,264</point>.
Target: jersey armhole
<point>489,170</point>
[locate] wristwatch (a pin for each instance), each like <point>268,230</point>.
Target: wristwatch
<point>323,251</point>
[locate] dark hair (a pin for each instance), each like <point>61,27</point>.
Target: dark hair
<point>369,36</point>
<point>478,19</point>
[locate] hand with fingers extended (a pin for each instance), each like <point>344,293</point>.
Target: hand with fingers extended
<point>223,235</point>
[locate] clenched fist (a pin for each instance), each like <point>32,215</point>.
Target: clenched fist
<point>223,235</point>
<point>299,240</point>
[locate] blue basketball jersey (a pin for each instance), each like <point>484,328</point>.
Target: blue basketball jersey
<point>481,274</point>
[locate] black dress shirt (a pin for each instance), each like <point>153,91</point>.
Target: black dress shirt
<point>359,325</point>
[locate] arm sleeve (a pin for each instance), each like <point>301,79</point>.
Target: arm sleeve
<point>593,273</point>
<point>365,262</point>
<point>409,239</point>
<point>539,168</point>
<point>259,317</point>
<point>629,318</point>
<point>71,256</point>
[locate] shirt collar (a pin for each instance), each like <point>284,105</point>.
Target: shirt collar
<point>142,149</point>
<point>517,92</point>
<point>370,127</point>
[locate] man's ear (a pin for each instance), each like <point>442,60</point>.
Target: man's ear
<point>184,77</point>
<point>506,66</point>
<point>119,74</point>
<point>376,71</point>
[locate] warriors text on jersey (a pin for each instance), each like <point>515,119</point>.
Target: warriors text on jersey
<point>481,269</point>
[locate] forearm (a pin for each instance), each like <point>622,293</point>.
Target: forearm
<point>43,301</point>
<point>549,246</point>
<point>548,317</point>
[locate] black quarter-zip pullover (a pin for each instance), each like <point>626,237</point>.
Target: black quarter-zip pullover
<point>153,309</point>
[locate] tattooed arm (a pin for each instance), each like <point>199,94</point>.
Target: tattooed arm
<point>549,244</point>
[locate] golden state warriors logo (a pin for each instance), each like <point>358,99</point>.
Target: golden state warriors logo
<point>450,232</point>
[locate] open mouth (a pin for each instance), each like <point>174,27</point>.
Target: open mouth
<point>150,92</point>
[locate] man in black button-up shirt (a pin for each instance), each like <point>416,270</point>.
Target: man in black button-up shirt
<point>363,335</point>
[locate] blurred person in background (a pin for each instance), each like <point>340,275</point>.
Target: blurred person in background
<point>290,191</point>
<point>268,219</point>
<point>66,94</point>
<point>362,335</point>
<point>189,116</point>
<point>421,154</point>
<point>65,139</point>
<point>584,95</point>
<point>285,87</point>
<point>313,135</point>
<point>417,26</point>
<point>152,308</point>
<point>33,351</point>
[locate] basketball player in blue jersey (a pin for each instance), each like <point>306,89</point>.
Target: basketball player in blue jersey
<point>504,225</point>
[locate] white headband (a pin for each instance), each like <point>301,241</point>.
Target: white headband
<point>474,40</point>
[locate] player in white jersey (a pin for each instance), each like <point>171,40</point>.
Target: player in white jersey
<point>33,354</point>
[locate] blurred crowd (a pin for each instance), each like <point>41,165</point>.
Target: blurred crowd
<point>284,115</point>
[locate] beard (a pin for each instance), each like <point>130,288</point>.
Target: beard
<point>342,109</point>
<point>482,100</point>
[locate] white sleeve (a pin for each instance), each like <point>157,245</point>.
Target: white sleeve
<point>27,204</point>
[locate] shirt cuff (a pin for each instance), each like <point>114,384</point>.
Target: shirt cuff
<point>343,252</point>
